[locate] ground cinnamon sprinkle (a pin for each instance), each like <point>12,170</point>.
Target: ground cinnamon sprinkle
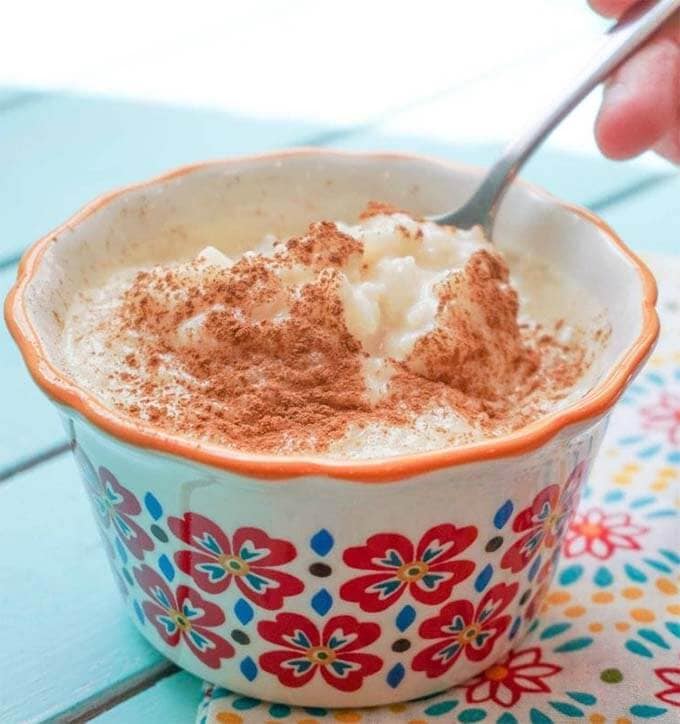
<point>240,356</point>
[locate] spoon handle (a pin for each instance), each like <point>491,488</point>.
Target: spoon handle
<point>620,41</point>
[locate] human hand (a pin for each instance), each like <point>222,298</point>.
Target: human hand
<point>641,104</point>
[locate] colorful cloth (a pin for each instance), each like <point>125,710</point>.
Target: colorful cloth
<point>607,645</point>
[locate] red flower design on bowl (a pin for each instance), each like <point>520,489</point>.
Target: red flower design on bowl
<point>334,652</point>
<point>184,616</point>
<point>115,505</point>
<point>249,558</point>
<point>460,628</point>
<point>543,523</point>
<point>429,570</point>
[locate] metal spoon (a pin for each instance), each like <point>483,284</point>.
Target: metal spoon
<point>621,40</point>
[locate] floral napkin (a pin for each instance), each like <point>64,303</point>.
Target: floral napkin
<point>606,647</point>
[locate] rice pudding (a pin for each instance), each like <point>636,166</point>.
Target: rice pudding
<point>390,336</point>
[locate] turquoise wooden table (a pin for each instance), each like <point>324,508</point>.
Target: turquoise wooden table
<point>67,651</point>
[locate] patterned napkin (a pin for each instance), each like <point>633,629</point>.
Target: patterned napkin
<point>606,647</point>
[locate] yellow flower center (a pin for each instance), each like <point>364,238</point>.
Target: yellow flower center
<point>413,571</point>
<point>551,521</point>
<point>496,673</point>
<point>469,633</point>
<point>590,530</point>
<point>321,655</point>
<point>182,621</point>
<point>234,565</point>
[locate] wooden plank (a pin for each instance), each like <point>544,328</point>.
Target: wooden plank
<point>66,638</point>
<point>28,421</point>
<point>11,98</point>
<point>650,220</point>
<point>173,700</point>
<point>65,150</point>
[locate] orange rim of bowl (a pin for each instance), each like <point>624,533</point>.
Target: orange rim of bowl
<point>61,388</point>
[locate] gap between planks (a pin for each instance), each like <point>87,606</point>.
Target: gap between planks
<point>87,710</point>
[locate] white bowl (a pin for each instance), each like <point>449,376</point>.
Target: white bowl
<point>304,580</point>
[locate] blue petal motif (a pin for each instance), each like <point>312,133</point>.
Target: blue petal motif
<point>405,617</point>
<point>200,641</point>
<point>582,698</point>
<point>248,668</point>
<point>159,594</point>
<point>537,717</point>
<point>300,665</point>
<point>482,580</point>
<point>674,628</point>
<point>244,611</point>
<point>322,602</point>
<point>574,644</point>
<point>570,574</point>
<point>243,703</point>
<point>534,568</point>
<point>555,630</point>
<point>446,653</point>
<point>471,715</point>
<point>672,556</point>
<point>322,542</point>
<point>335,642</point>
<point>215,571</point>
<point>392,559</point>
<point>341,667</point>
<point>121,551</point>
<point>603,577</point>
<point>168,623</point>
<point>257,583</point>
<point>647,712</point>
<point>642,502</point>
<point>613,496</point>
<point>189,611</point>
<point>658,565</point>
<point>567,709</point>
<point>384,589</point>
<point>649,452</point>
<point>503,514</point>
<point>279,711</point>
<point>635,574</point>
<point>153,506</point>
<point>432,580</point>
<point>653,637</point>
<point>208,543</point>
<point>299,639</point>
<point>166,567</point>
<point>636,647</point>
<point>441,707</point>
<point>395,675</point>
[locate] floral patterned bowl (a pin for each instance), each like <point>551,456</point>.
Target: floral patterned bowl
<point>307,581</point>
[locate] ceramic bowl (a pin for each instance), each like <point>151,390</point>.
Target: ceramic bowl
<point>301,580</point>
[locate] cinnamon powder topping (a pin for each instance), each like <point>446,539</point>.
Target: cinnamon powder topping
<point>264,354</point>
